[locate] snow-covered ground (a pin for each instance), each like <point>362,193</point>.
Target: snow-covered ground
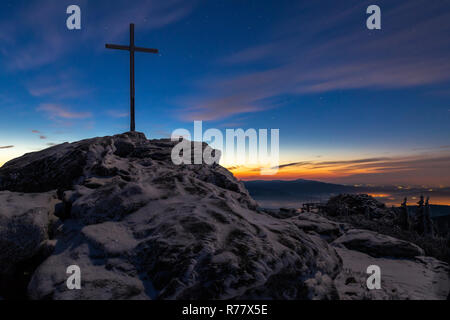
<point>421,278</point>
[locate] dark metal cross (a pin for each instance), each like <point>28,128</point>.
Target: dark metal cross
<point>132,48</point>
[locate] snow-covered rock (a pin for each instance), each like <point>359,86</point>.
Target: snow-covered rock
<point>24,225</point>
<point>312,223</point>
<point>421,278</point>
<point>377,245</point>
<point>140,227</point>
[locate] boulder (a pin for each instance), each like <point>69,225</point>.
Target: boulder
<point>316,224</point>
<point>377,245</point>
<point>24,226</point>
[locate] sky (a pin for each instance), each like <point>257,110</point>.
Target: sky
<point>353,105</point>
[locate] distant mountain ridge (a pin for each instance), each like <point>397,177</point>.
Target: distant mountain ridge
<point>293,188</point>
<point>302,190</point>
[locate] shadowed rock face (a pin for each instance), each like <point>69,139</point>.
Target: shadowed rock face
<point>141,227</point>
<point>24,223</point>
<point>68,164</point>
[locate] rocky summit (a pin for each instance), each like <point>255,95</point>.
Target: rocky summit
<point>140,227</point>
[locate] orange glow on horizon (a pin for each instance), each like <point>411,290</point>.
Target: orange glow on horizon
<point>293,173</point>
<point>379,195</point>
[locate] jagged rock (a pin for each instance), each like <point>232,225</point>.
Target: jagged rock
<point>377,245</point>
<point>316,224</point>
<point>141,227</point>
<point>24,225</point>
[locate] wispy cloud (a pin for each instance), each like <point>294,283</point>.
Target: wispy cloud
<point>49,41</point>
<point>295,62</point>
<point>6,147</point>
<point>332,164</point>
<point>431,169</point>
<point>57,112</point>
<point>117,114</point>
<point>41,136</point>
<point>58,85</point>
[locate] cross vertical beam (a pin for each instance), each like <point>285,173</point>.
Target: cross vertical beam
<point>132,49</point>
<point>132,88</point>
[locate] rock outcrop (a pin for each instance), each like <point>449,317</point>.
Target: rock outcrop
<point>378,245</point>
<point>25,222</point>
<point>141,227</point>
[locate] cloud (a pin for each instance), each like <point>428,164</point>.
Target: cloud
<point>117,114</point>
<point>432,169</point>
<point>60,85</point>
<point>294,164</point>
<point>41,136</point>
<point>57,112</point>
<point>50,40</point>
<point>357,161</point>
<point>218,109</point>
<point>317,164</point>
<point>329,53</point>
<point>6,147</point>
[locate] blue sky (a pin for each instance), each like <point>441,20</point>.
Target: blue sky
<point>337,91</point>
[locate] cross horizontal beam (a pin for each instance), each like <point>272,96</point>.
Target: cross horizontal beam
<point>119,47</point>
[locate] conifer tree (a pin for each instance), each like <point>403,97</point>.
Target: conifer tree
<point>419,219</point>
<point>428,223</point>
<point>404,215</point>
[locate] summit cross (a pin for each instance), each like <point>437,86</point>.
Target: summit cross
<point>132,49</point>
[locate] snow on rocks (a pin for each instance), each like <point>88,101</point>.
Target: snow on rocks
<point>141,227</point>
<point>377,245</point>
<point>315,224</point>
<point>421,278</point>
<point>24,223</point>
<point>405,273</point>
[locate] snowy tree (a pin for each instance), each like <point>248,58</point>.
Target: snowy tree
<point>419,219</point>
<point>404,215</point>
<point>428,223</point>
